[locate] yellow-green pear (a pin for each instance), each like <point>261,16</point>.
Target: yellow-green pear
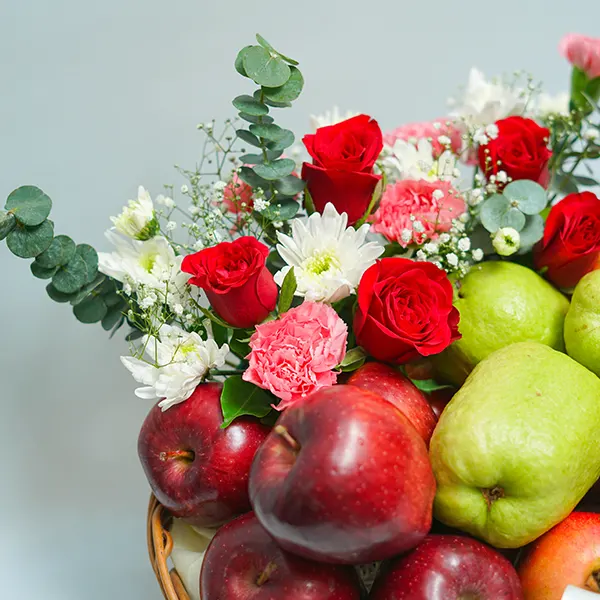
<point>582,324</point>
<point>518,446</point>
<point>501,303</point>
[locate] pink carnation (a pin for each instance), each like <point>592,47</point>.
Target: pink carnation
<point>433,204</point>
<point>582,52</point>
<point>413,132</point>
<point>237,196</point>
<point>294,356</point>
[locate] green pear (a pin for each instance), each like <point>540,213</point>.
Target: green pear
<point>517,447</point>
<point>501,303</point>
<point>582,324</point>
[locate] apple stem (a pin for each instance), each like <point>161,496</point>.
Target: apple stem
<point>184,455</point>
<point>492,494</point>
<point>285,434</point>
<point>266,574</point>
<point>593,582</point>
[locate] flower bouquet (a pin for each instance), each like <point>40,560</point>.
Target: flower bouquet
<point>375,358</point>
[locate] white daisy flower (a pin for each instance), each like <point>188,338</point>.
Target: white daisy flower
<point>138,219</point>
<point>328,257</point>
<point>331,117</point>
<point>184,360</point>
<point>547,105</point>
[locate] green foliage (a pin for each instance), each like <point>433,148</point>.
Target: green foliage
<point>92,310</point>
<point>530,197</point>
<point>29,242</point>
<point>90,258</point>
<point>264,67</point>
<point>8,222</point>
<point>272,171</point>
<point>288,289</point>
<point>29,204</point>
<point>250,106</point>
<point>353,360</point>
<point>290,185</point>
<point>585,92</point>
<point>42,272</point>
<point>429,385</point>
<point>282,211</point>
<point>289,91</point>
<point>70,278</point>
<point>59,253</point>
<point>240,398</point>
<point>532,232</point>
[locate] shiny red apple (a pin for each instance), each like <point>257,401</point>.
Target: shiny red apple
<point>400,391</point>
<point>568,554</point>
<point>196,469</point>
<point>243,562</point>
<point>448,567</point>
<point>343,478</point>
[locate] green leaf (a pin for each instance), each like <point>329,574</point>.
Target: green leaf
<point>71,277</point>
<point>289,91</point>
<point>261,40</point>
<point>492,211</point>
<point>281,211</point>
<point>60,252</point>
<point>88,289</point>
<point>29,204</point>
<point>532,232</point>
<point>253,119</point>
<point>288,289</point>
<point>111,318</point>
<point>29,242</point>
<point>565,183</point>
<point>134,334</point>
<point>286,140</point>
<point>257,159</point>
<point>239,343</point>
<point>214,318</point>
<point>41,272</point>
<point>91,310</point>
<point>267,131</point>
<point>585,181</point>
<point>514,218</point>
<point>220,333</point>
<point>274,104</point>
<point>248,104</point>
<point>90,257</point>
<point>429,385</point>
<point>264,67</point>
<point>247,175</point>
<point>112,299</point>
<point>8,222</point>
<point>240,398</point>
<point>353,360</point>
<point>56,295</point>
<point>249,138</point>
<point>239,61</point>
<point>276,169</point>
<point>290,185</point>
<point>528,196</point>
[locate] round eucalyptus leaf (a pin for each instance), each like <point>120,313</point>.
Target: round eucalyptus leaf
<point>285,141</point>
<point>528,196</point>
<point>56,295</point>
<point>112,299</point>
<point>267,131</point>
<point>492,211</point>
<point>259,95</point>
<point>290,185</point>
<point>91,310</point>
<point>111,318</point>
<point>88,289</point>
<point>289,91</point>
<point>276,169</point>
<point>281,211</point>
<point>8,222</point>
<point>239,62</point>
<point>514,218</point>
<point>29,204</point>
<point>532,233</point>
<point>247,175</point>
<point>90,257</point>
<point>71,277</point>
<point>254,119</point>
<point>248,137</point>
<point>29,242</point>
<point>257,159</point>
<point>41,272</point>
<point>261,40</point>
<point>251,106</point>
<point>264,67</point>
<point>60,252</point>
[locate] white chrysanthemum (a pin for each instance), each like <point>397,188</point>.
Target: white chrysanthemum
<point>184,360</point>
<point>138,219</point>
<point>328,257</point>
<point>148,268</point>
<point>331,117</point>
<point>404,160</point>
<point>553,105</point>
<point>485,102</point>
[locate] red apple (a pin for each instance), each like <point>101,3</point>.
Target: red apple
<point>196,469</point>
<point>400,391</point>
<point>448,567</point>
<point>438,400</point>
<point>243,562</point>
<point>568,554</point>
<point>343,478</point>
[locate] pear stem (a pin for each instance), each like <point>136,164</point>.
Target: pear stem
<point>593,581</point>
<point>492,494</point>
<point>184,455</point>
<point>266,574</point>
<point>285,434</point>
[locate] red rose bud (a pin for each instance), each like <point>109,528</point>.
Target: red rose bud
<point>405,311</point>
<point>237,283</point>
<point>342,168</point>
<point>520,150</point>
<point>570,247</point>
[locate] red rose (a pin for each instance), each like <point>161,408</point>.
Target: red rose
<point>342,168</point>
<point>570,247</point>
<point>237,283</point>
<point>405,310</point>
<point>520,150</point>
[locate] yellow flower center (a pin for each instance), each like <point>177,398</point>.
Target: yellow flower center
<point>321,262</point>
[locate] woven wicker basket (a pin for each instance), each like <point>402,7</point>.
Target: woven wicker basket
<point>160,545</point>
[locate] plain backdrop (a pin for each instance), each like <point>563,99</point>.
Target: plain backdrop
<point>99,97</point>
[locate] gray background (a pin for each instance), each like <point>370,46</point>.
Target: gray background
<point>98,97</point>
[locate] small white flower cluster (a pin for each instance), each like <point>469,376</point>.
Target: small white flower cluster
<point>483,135</point>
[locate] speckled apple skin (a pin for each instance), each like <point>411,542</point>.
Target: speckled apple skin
<point>566,555</point>
<point>360,488</point>
<point>213,488</point>
<point>448,567</point>
<point>240,552</point>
